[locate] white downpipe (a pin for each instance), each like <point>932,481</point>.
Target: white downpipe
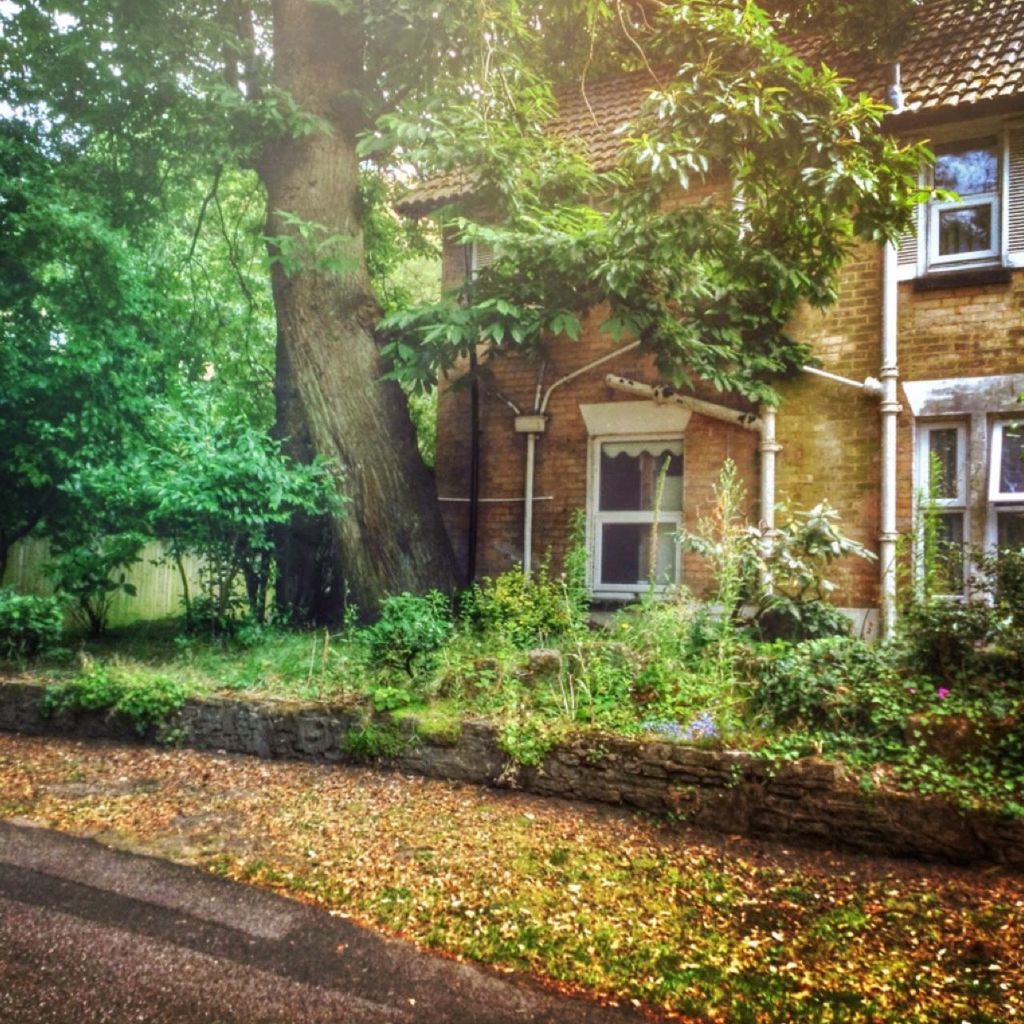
<point>890,408</point>
<point>768,448</point>
<point>540,409</point>
<point>869,385</point>
<point>543,407</point>
<point>531,452</point>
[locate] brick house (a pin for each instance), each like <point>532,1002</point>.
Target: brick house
<point>925,349</point>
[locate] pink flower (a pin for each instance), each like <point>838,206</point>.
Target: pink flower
<point>942,693</point>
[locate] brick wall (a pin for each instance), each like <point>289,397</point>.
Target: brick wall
<point>831,433</point>
<point>561,457</point>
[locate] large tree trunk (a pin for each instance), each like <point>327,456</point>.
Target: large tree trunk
<point>310,584</point>
<point>392,537</point>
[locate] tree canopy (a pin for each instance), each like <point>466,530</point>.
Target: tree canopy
<point>151,151</point>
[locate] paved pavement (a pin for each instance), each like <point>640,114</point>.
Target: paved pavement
<point>90,935</point>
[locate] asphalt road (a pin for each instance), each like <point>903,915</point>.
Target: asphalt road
<point>90,935</point>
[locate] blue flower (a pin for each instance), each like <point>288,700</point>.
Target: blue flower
<point>701,728</point>
<point>670,730</point>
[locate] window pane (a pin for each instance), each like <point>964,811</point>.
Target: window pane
<point>625,553</point>
<point>629,476</point>
<point>1010,530</point>
<point>965,230</point>
<point>968,168</point>
<point>945,551</point>
<point>942,455</point>
<point>1011,462</point>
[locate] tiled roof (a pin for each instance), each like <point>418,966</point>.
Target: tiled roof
<point>963,54</point>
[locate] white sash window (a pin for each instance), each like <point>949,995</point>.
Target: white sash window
<point>1006,485</point>
<point>633,527</point>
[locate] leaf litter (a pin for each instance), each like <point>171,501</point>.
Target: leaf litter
<point>688,925</point>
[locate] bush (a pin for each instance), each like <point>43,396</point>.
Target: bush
<point>148,701</point>
<point>93,573</point>
<point>942,637</point>
<point>28,625</point>
<point>97,540</point>
<point>971,640</point>
<point>781,573</point>
<point>525,609</point>
<point>835,683</point>
<point>221,490</point>
<point>409,628</point>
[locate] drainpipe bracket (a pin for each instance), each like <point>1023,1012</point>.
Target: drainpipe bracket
<point>769,446</point>
<point>889,538</point>
<point>893,407</point>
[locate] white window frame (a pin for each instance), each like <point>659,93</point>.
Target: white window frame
<point>995,464</point>
<point>975,256</point>
<point>481,255</point>
<point>596,519</point>
<point>994,200</point>
<point>959,504</point>
<point>999,501</point>
<point>927,261</point>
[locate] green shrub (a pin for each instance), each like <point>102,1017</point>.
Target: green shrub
<point>149,701</point>
<point>524,609</point>
<point>779,573</point>
<point>942,637</point>
<point>29,625</point>
<point>976,639</point>
<point>527,742</point>
<point>92,574</point>
<point>410,628</point>
<point>838,684</point>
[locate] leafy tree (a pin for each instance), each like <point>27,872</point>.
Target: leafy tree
<point>218,489</point>
<point>89,334</point>
<point>171,92</point>
<point>709,285</point>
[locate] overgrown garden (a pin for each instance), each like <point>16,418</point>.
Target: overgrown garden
<point>764,663</point>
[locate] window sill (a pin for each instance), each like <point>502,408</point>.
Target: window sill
<point>966,278</point>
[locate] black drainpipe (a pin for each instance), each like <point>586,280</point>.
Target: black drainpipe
<point>474,446</point>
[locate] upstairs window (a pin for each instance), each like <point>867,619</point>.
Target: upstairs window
<point>634,527</point>
<point>983,227</point>
<point>965,229</point>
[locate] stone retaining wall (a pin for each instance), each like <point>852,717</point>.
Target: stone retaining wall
<point>737,793</point>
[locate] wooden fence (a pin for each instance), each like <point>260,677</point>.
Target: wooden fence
<point>158,585</point>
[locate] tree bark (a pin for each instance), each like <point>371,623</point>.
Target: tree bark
<point>392,537</point>
<point>310,584</point>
